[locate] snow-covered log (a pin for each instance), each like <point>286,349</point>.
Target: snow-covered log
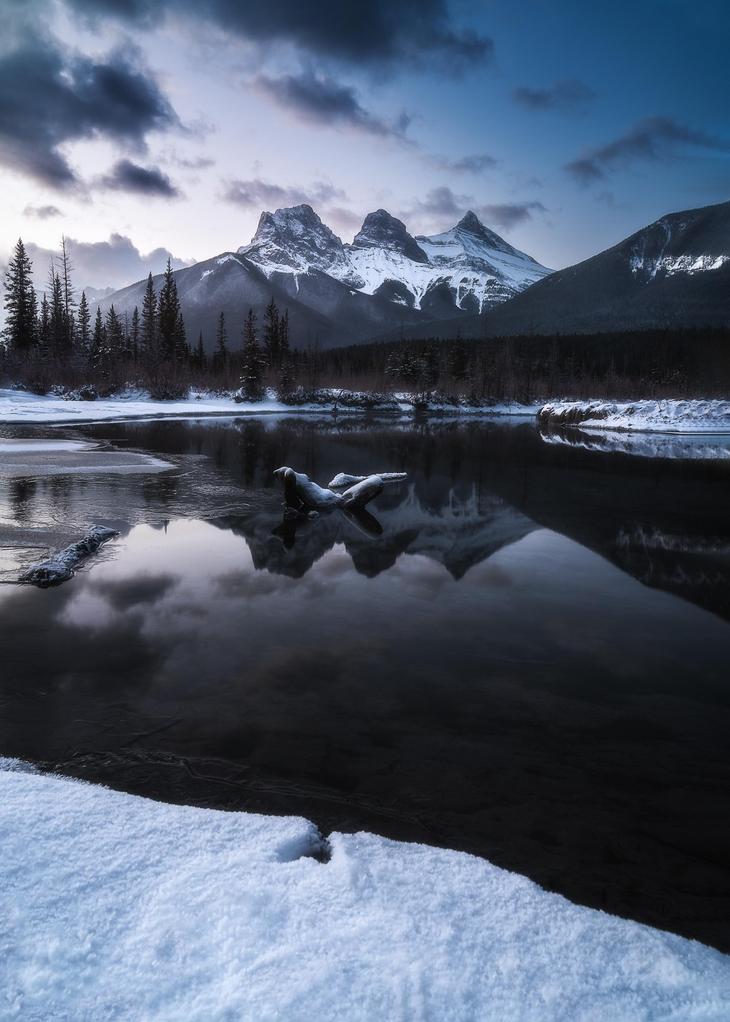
<point>303,495</point>
<point>343,479</point>
<point>61,566</point>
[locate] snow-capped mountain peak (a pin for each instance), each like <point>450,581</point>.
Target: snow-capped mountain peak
<point>381,230</point>
<point>293,240</point>
<point>468,268</point>
<point>470,224</point>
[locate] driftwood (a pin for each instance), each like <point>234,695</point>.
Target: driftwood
<point>347,492</point>
<point>61,566</point>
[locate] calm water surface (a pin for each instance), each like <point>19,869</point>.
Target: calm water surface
<point>523,652</point>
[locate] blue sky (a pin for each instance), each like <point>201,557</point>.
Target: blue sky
<point>144,127</point>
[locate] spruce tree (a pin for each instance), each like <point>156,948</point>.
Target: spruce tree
<point>200,353</point>
<point>221,343</point>
<point>84,333</point>
<point>68,296</point>
<point>251,374</point>
<point>182,352</point>
<point>44,324</point>
<point>284,335</point>
<point>20,301</point>
<point>168,315</point>
<point>271,334</point>
<point>97,354</point>
<point>58,324</point>
<point>134,338</point>
<point>149,322</point>
<point>114,335</point>
<point>286,374</point>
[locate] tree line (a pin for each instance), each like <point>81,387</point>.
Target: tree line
<point>57,341</point>
<point>58,334</point>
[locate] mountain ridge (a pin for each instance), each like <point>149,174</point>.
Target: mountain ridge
<point>337,293</point>
<point>674,273</point>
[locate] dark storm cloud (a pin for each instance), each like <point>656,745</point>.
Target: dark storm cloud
<point>476,163</point>
<point>99,264</point>
<point>324,100</point>
<point>567,95</point>
<point>443,202</point>
<point>42,212</point>
<point>50,96</point>
<point>385,32</point>
<point>509,214</point>
<point>126,176</point>
<point>258,194</point>
<point>656,138</point>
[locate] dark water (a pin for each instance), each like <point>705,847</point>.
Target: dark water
<point>523,654</point>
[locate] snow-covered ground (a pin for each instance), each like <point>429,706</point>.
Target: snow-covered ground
<point>664,416</point>
<point>661,416</point>
<point>114,906</point>
<point>22,406</point>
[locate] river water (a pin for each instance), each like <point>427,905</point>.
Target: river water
<point>522,652</point>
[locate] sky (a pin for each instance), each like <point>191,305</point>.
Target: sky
<point>142,129</point>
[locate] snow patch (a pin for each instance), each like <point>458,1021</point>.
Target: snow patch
<point>660,416</point>
<point>114,904</point>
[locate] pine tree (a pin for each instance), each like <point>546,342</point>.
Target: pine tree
<point>149,322</point>
<point>168,315</point>
<point>97,355</point>
<point>20,301</point>
<point>84,334</point>
<point>221,343</point>
<point>271,334</point>
<point>252,368</point>
<point>134,338</point>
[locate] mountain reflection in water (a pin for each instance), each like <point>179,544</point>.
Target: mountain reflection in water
<point>487,661</point>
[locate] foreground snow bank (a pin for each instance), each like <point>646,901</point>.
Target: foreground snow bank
<point>115,906</point>
<point>666,416</point>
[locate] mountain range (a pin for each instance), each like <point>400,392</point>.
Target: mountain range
<point>338,294</point>
<point>674,274</point>
<point>466,281</point>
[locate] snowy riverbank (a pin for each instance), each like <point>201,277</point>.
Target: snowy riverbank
<point>56,409</point>
<point>663,416</point>
<point>113,905</point>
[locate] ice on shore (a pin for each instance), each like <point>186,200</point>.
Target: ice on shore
<point>34,457</point>
<point>117,906</point>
